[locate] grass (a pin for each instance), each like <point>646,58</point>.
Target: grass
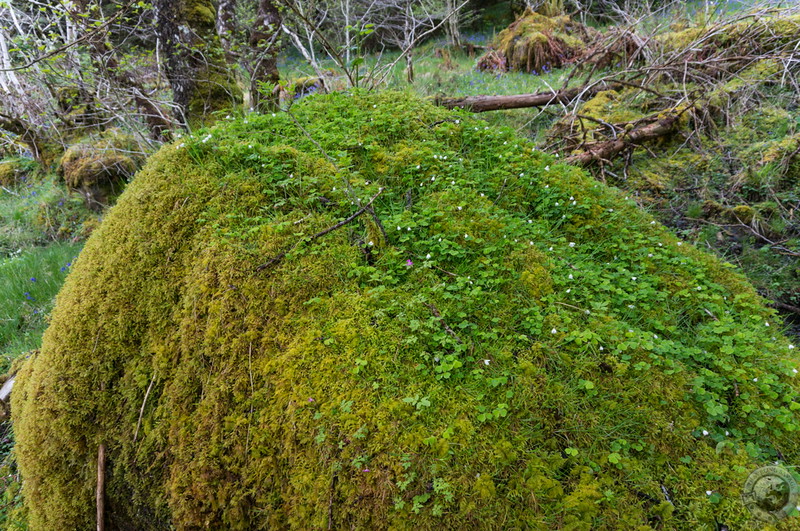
<point>29,282</point>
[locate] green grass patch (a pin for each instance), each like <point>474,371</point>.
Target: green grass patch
<point>29,282</point>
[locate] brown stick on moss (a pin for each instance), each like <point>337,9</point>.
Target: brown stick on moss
<point>520,101</point>
<point>101,484</point>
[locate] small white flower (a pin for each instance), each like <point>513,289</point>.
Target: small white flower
<point>530,243</point>
<point>569,289</point>
<point>574,203</point>
<point>794,371</point>
<point>680,243</point>
<point>708,493</point>
<point>440,239</point>
<point>408,228</point>
<point>522,175</point>
<point>486,362</point>
<point>417,166</point>
<point>458,122</point>
<point>650,255</point>
<point>766,324</point>
<point>611,210</point>
<point>631,306</point>
<point>556,203</point>
<point>370,243</point>
<point>398,227</point>
<point>570,276</point>
<point>652,223</point>
<point>547,168</point>
<point>550,249</point>
<point>482,195</point>
<point>791,347</point>
<point>755,379</point>
<point>374,106</point>
<point>601,348</point>
<point>452,182</point>
<point>433,178</point>
<point>572,244</point>
<point>633,278</point>
<point>705,432</point>
<point>588,312</point>
<point>726,432</point>
<point>466,236</point>
<point>459,208</point>
<point>530,221</point>
<point>553,331</point>
<point>428,256</point>
<point>250,146</point>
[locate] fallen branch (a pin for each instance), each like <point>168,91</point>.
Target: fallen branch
<point>447,328</point>
<point>282,254</point>
<point>603,151</point>
<point>520,101</point>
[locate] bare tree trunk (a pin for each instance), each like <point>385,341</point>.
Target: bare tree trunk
<point>410,67</point>
<point>194,60</point>
<point>519,101</point>
<point>264,43</point>
<point>226,28</point>
<point>452,29</point>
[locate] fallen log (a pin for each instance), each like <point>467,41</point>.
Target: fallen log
<point>605,150</point>
<point>520,101</point>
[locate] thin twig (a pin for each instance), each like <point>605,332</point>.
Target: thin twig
<point>321,233</point>
<point>141,410</point>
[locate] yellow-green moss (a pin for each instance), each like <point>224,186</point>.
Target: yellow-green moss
<point>535,42</point>
<point>490,362</point>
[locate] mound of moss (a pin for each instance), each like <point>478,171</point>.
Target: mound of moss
<point>537,43</point>
<point>496,340</point>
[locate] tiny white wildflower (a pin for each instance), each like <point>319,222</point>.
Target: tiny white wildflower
<point>791,347</point>
<point>680,243</point>
<point>601,348</point>
<point>650,255</point>
<point>433,178</point>
<point>572,244</point>
<point>466,236</point>
<point>755,379</point>
<point>766,324</point>
<point>570,276</point>
<point>530,221</point>
<point>708,492</point>
<point>557,203</point>
<point>550,249</point>
<point>547,168</point>
<point>408,228</point>
<point>428,256</point>
<point>547,186</point>
<point>482,195</point>
<point>569,290</point>
<point>486,362</point>
<point>705,432</point>
<point>522,175</point>
<point>452,182</point>
<point>459,208</point>
<point>370,243</point>
<point>553,331</point>
<point>652,222</point>
<point>633,278</point>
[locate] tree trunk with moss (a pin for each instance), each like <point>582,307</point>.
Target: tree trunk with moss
<point>264,43</point>
<point>194,61</point>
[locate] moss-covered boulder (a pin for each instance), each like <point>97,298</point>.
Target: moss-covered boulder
<point>99,168</point>
<point>505,343</point>
<point>537,43</point>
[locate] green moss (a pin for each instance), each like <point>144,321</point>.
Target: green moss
<point>514,310</point>
<point>99,167</point>
<point>536,43</point>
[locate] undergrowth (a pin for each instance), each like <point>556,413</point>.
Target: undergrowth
<point>505,342</point>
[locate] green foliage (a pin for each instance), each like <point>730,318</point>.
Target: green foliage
<point>507,343</point>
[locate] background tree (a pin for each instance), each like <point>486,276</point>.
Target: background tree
<point>194,60</point>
